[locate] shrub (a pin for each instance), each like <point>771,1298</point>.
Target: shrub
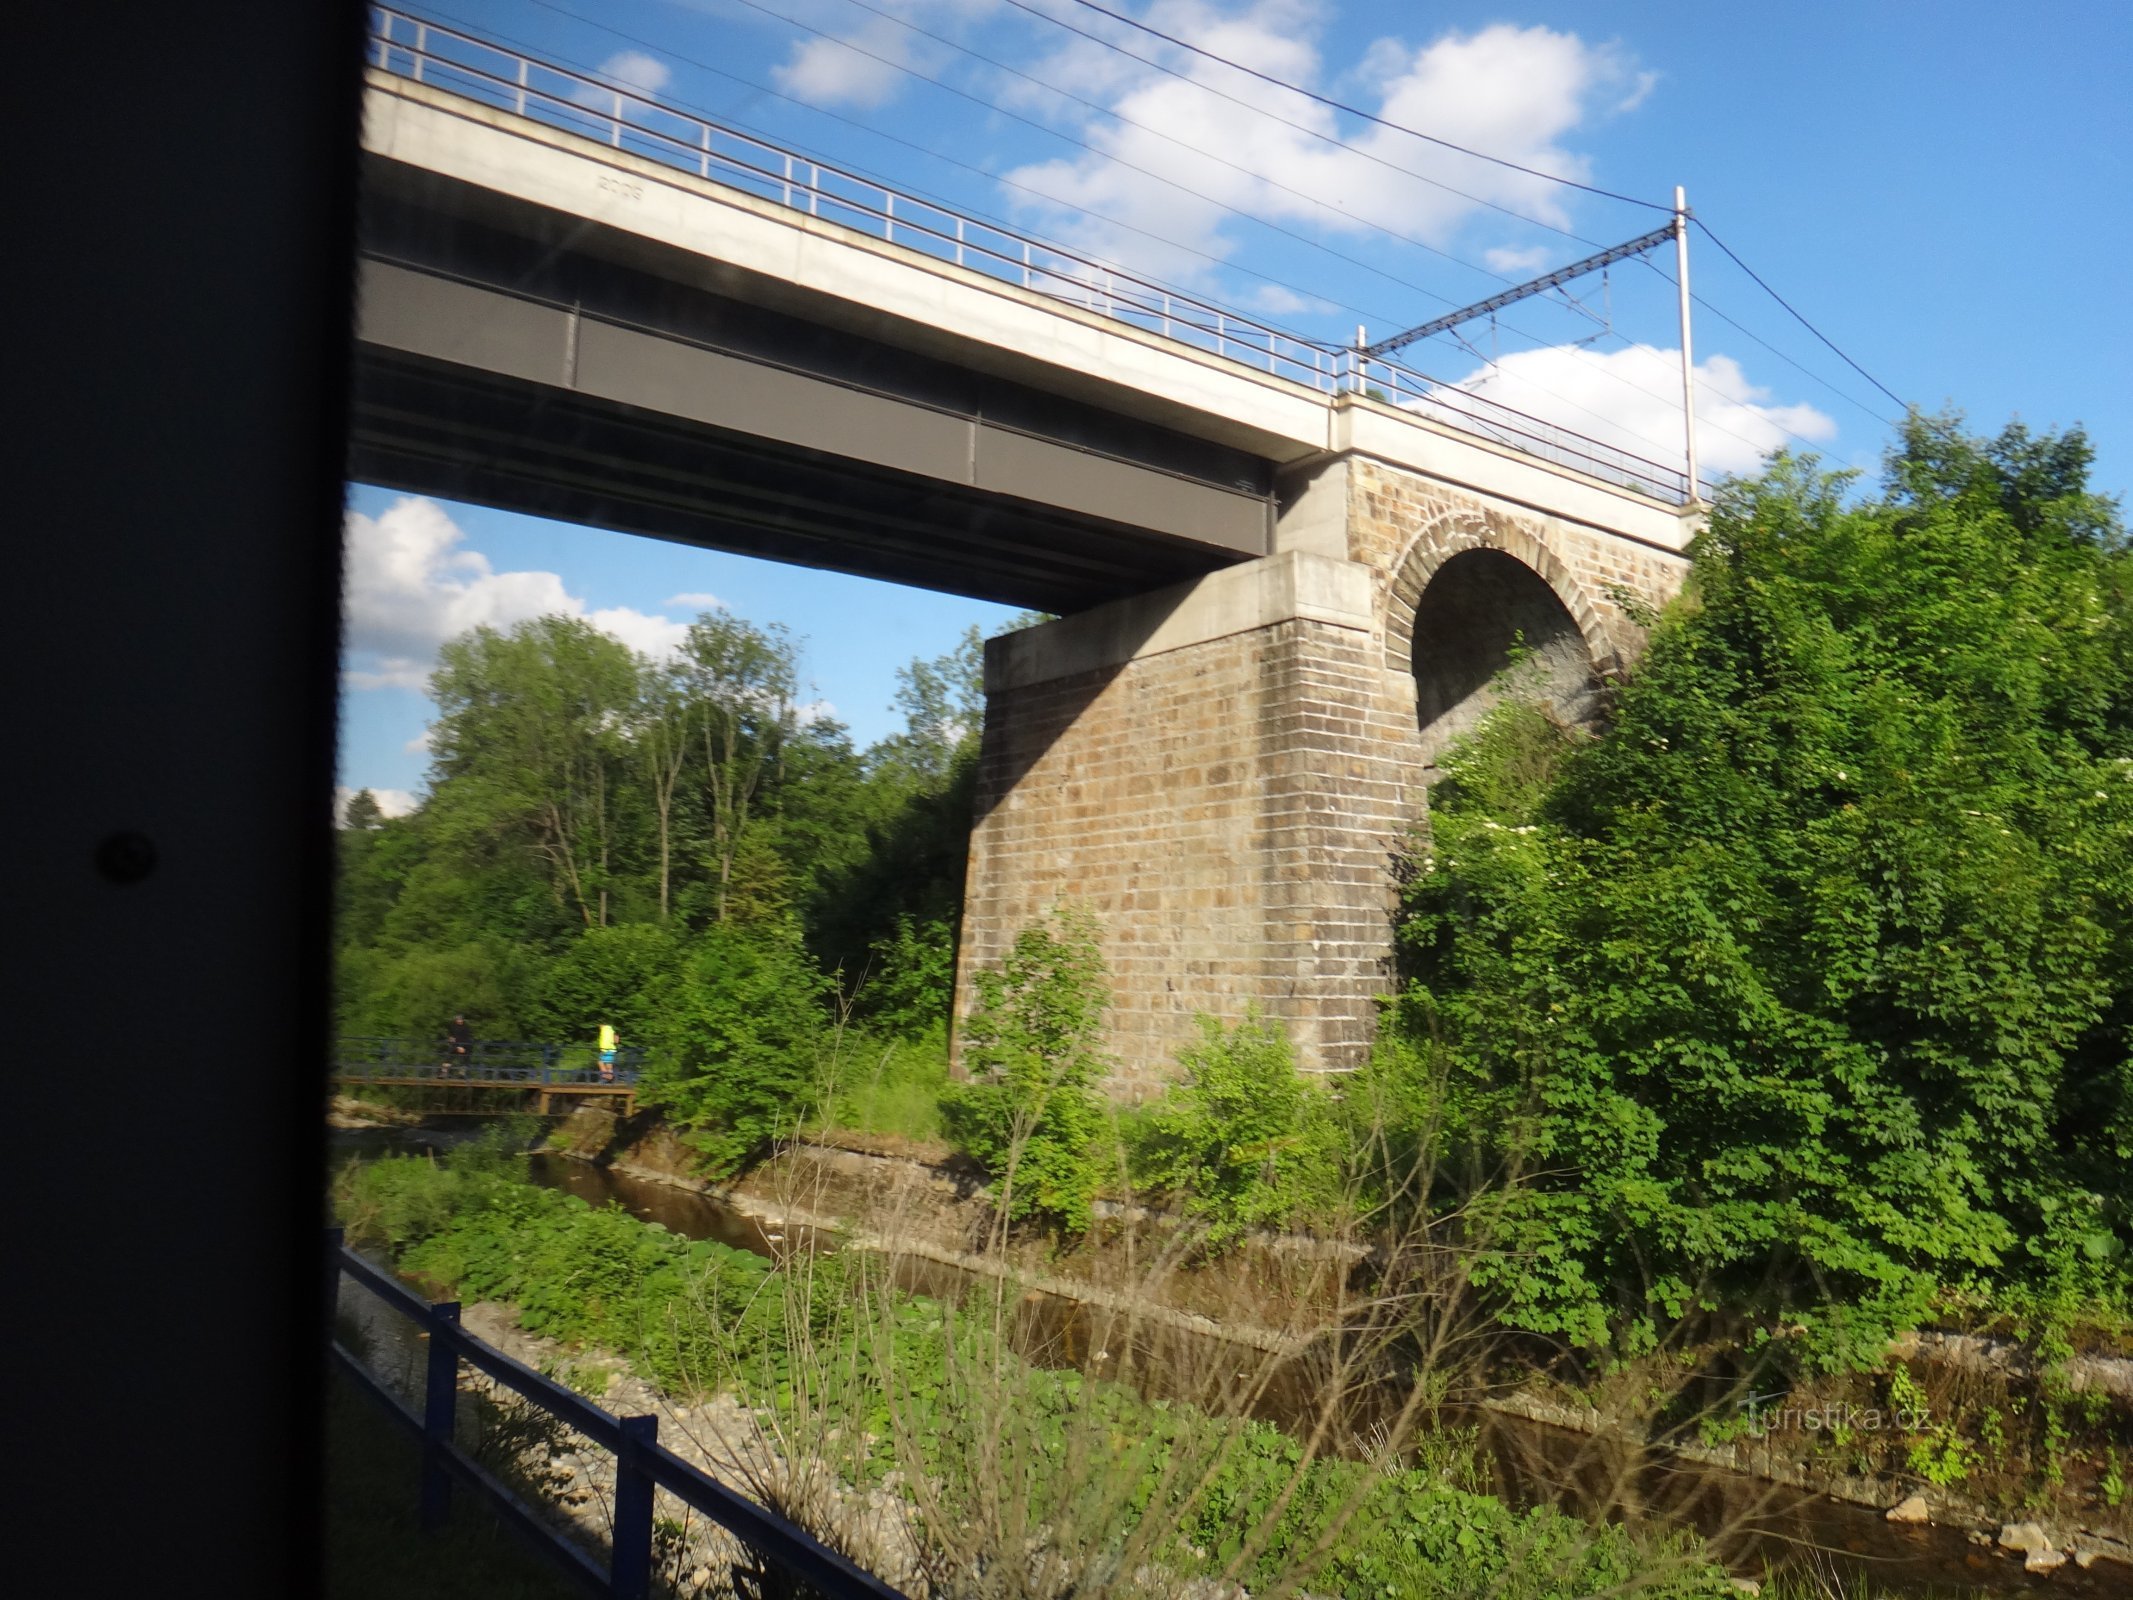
<point>621,974</point>
<point>739,1043</point>
<point>1243,1142</point>
<point>1810,987</point>
<point>1032,1116</point>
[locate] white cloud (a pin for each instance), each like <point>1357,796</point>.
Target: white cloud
<point>420,744</point>
<point>834,72</point>
<point>633,69</point>
<point>1518,263</point>
<point>647,635</point>
<point>410,586</point>
<point>393,802</point>
<point>696,600</point>
<point>1273,299</point>
<point>816,710</point>
<point>860,62</point>
<point>1631,398</point>
<point>1515,92</point>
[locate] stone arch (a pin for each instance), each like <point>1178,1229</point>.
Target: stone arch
<point>1466,589</point>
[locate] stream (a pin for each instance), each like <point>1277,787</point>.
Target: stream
<point>1754,1525</point>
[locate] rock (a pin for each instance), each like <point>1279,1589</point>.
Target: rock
<point>2025,1537</point>
<point>1979,1536</point>
<point>1746,1586</point>
<point>2045,1560</point>
<point>2084,1559</point>
<point>1911,1510</point>
<point>700,1578</point>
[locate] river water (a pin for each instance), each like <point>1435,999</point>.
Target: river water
<point>1755,1526</point>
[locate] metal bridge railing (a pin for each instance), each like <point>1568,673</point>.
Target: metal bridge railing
<point>431,53</point>
<point>642,1463</point>
<point>486,1061</point>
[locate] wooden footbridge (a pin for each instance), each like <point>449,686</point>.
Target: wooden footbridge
<point>490,1074</point>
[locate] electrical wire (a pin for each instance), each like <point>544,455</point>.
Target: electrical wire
<point>1743,329</point>
<point>1326,100</point>
<point>1171,138</point>
<point>1304,127</point>
<point>1532,338</point>
<point>1797,317</point>
<point>953,207</point>
<point>1535,339</point>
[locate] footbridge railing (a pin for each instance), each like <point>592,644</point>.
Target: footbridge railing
<point>642,1463</point>
<point>500,1063</point>
<point>624,119</point>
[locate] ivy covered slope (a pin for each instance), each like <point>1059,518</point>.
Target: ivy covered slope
<point>1807,989</point>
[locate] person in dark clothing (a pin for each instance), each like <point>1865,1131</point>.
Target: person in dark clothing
<point>458,1046</point>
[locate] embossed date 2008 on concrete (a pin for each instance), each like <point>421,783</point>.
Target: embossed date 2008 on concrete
<point>620,186</point>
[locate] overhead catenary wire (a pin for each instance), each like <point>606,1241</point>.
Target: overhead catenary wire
<point>1337,105</point>
<point>1305,128</point>
<point>1365,312</point>
<point>1797,317</point>
<point>1213,260</point>
<point>1164,134</point>
<point>1747,332</point>
<point>1356,111</point>
<point>1341,144</point>
<point>953,161</point>
<point>906,68</point>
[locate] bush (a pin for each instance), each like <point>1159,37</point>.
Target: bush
<point>1243,1142</point>
<point>623,974</point>
<point>1809,988</point>
<point>413,994</point>
<point>1032,1116</point>
<point>739,1044</point>
<point>933,1400</point>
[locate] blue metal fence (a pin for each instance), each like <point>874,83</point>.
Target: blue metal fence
<point>532,1063</point>
<point>642,1463</point>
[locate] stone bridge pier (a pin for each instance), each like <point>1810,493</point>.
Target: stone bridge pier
<point>1224,771</point>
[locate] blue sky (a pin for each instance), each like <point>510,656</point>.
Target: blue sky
<point>1941,189</point>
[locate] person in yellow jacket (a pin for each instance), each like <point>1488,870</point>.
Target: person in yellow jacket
<point>608,1042</point>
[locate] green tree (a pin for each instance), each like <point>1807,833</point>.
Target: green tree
<point>1809,984</point>
<point>661,733</point>
<point>527,747</point>
<point>738,1039</point>
<point>741,681</point>
<point>622,975</point>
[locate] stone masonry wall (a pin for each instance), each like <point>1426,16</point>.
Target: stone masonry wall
<point>1227,810</point>
<point>1404,526</point>
<point>1231,809</point>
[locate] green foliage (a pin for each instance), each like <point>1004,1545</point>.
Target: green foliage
<point>1031,1114</point>
<point>622,975</point>
<point>920,1383</point>
<point>413,993</point>
<point>1243,1142</point>
<point>1810,986</point>
<point>527,746</point>
<point>887,1084</point>
<point>739,1040</point>
<point>601,828</point>
<point>911,983</point>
